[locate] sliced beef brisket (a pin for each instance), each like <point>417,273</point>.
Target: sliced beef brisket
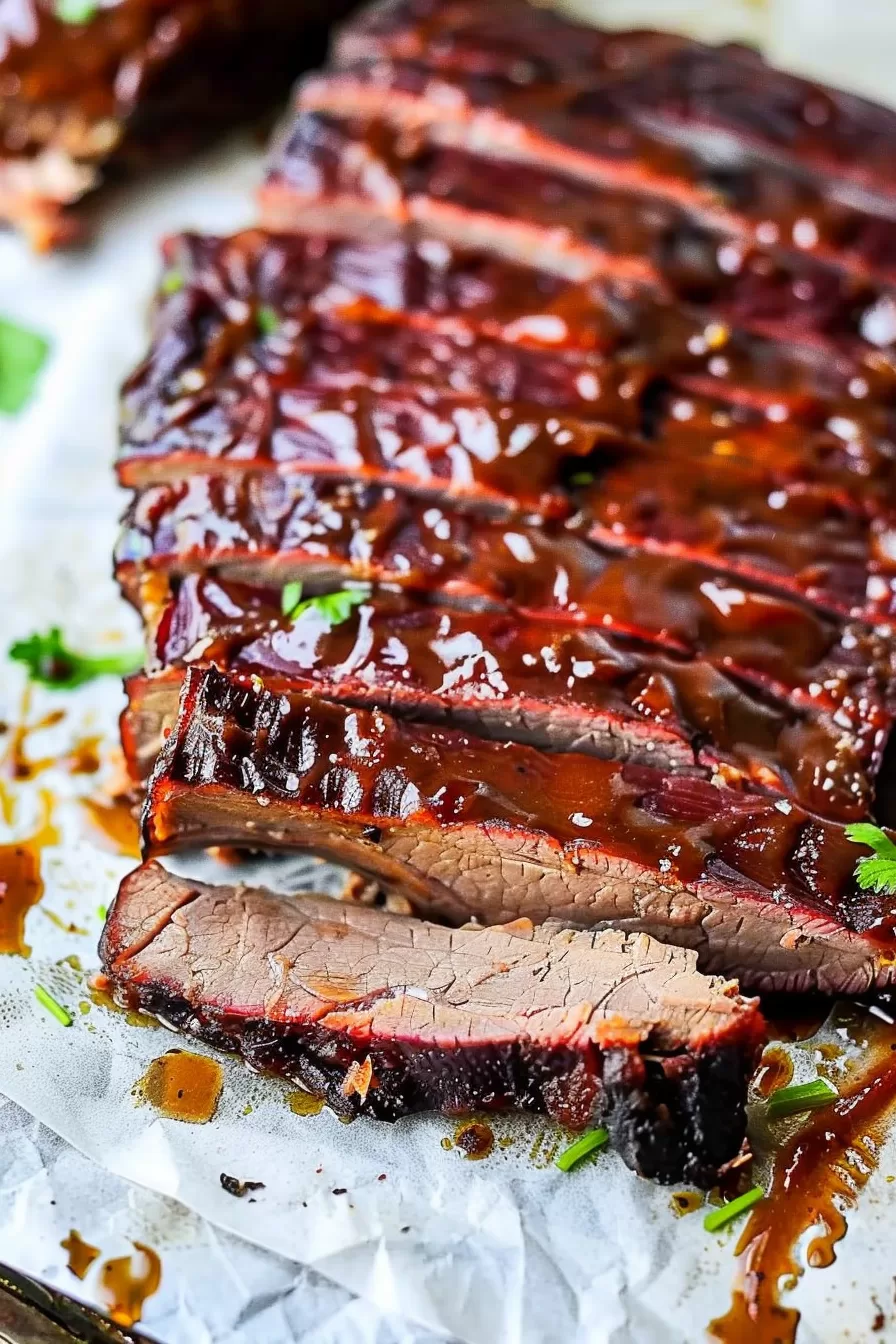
<point>562,689</point>
<point>89,91</point>
<point>271,529</point>
<point>382,1015</point>
<point>467,828</point>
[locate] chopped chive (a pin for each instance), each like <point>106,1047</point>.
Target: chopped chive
<point>592,1142</point>
<point>53,1006</point>
<point>172,281</point>
<point>800,1097</point>
<point>101,912</point>
<point>733,1209</point>
<point>267,320</point>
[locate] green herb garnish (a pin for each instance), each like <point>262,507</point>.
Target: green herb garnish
<point>53,664</point>
<point>879,873</point>
<point>733,1209</point>
<point>582,478</point>
<point>267,319</point>
<point>333,607</point>
<point>22,356</point>
<point>53,1006</point>
<point>589,1143</point>
<point>171,281</point>
<point>290,598</point>
<point>101,912</point>
<point>76,11</point>
<point>800,1097</point>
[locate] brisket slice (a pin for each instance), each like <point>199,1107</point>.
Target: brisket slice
<point>467,828</point>
<point>384,1016</point>
<point>136,82</point>
<point>504,457</point>
<point>566,127</point>
<point>676,88</point>
<point>357,178</point>
<point>561,689</point>
<point>268,529</point>
<point>470,295</point>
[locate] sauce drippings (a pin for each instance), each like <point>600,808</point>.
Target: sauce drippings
<point>685,1201</point>
<point>304,1103</point>
<point>775,1070</point>
<point>118,830</point>
<point>183,1086</point>
<point>81,1254</point>
<point>134,1018</point>
<point>125,1289</point>
<point>475,1139</point>
<point>814,1174</point>
<point>21,884</point>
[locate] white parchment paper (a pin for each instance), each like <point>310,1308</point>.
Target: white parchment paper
<point>501,1251</point>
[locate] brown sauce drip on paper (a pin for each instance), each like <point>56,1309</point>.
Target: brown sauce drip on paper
<point>825,1164</point>
<point>21,884</point>
<point>115,823</point>
<point>81,1254</point>
<point>183,1086</point>
<point>775,1070</point>
<point>126,1288</point>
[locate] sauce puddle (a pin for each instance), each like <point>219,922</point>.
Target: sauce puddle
<point>775,1070</point>
<point>115,824</point>
<point>81,1254</point>
<point>21,884</point>
<point>304,1103</point>
<point>824,1165</point>
<point>125,1289</point>
<point>475,1139</point>
<point>182,1086</point>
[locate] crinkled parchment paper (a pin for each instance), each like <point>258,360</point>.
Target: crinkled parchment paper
<point>493,1252</point>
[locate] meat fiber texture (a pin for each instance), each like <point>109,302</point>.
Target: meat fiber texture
<point>503,1251</point>
<point>385,1015</point>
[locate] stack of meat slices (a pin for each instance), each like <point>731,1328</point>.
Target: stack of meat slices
<point>512,521</point>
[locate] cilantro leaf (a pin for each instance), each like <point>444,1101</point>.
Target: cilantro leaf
<point>874,874</point>
<point>333,607</point>
<point>75,11</point>
<point>50,662</point>
<point>290,598</point>
<point>22,356</point>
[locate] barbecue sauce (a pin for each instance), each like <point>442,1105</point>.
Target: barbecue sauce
<point>475,1139</point>
<point>775,1070</point>
<point>183,1086</point>
<point>21,884</point>
<point>127,1282</point>
<point>813,1174</point>
<point>115,823</point>
<point>304,1103</point>
<point>81,1254</point>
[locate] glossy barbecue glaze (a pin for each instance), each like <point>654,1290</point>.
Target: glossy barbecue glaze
<point>273,529</point>
<point>669,88</point>
<point>440,814</point>
<point>503,456</point>
<point>559,688</point>
<point>136,80</point>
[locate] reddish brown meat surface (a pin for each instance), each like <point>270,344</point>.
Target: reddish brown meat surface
<point>467,828</point>
<point>384,1015</point>
<point>558,688</point>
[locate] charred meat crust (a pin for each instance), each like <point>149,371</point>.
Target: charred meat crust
<point>384,1016</point>
<point>583,690</point>
<point>497,830</point>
